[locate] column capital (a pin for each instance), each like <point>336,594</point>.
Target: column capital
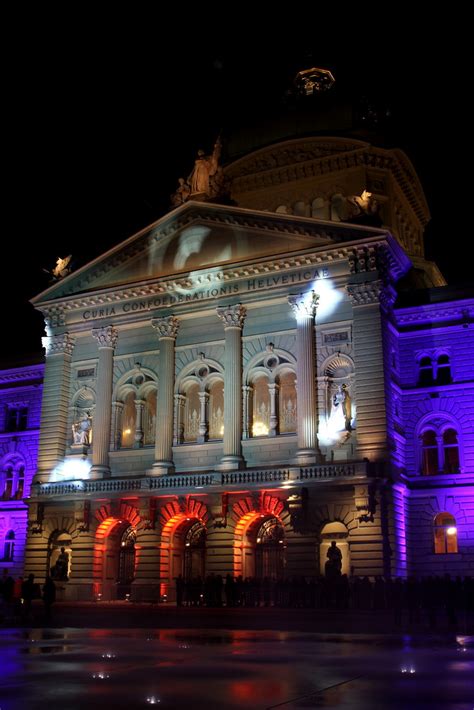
<point>232,316</point>
<point>106,337</point>
<point>166,327</point>
<point>58,344</point>
<point>304,304</point>
<point>366,293</point>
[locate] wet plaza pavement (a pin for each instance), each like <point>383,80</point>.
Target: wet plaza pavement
<point>257,670</point>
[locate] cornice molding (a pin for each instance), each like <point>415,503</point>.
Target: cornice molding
<point>23,375</point>
<point>314,157</point>
<point>163,286</point>
<point>459,312</point>
<point>207,214</point>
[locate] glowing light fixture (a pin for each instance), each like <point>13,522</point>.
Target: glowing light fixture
<point>260,429</point>
<point>452,530</point>
<point>73,469</point>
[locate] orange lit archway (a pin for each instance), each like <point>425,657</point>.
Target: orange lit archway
<point>269,517</point>
<point>115,557</point>
<point>183,542</point>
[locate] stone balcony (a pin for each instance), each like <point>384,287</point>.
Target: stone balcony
<point>213,481</point>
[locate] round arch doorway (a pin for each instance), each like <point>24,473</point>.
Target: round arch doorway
<point>189,550</point>
<point>268,542</point>
<point>116,558</point>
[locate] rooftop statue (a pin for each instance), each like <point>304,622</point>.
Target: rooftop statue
<point>205,167</point>
<point>182,193</point>
<point>61,269</point>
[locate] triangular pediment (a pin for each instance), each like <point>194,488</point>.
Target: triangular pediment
<point>199,236</point>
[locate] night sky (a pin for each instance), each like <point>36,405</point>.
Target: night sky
<point>103,116</point>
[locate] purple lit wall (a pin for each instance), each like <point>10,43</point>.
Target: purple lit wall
<point>20,405</point>
<point>429,356</point>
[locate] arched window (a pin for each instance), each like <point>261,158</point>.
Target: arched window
<point>216,409</point>
<point>287,402</point>
<point>429,466</point>
<point>9,546</point>
<point>443,373</point>
<point>20,482</point>
<point>260,406</point>
<point>445,534</point>
<point>439,449</point>
<point>128,421</point>
<point>191,413</point>
<point>135,409</point>
<point>149,418</point>
<point>425,376</point>
<point>450,451</point>
<point>8,486</point>
<point>269,392</point>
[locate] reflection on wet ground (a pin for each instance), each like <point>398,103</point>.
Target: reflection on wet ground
<point>257,670</point>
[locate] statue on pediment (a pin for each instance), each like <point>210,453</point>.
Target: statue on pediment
<point>181,194</point>
<point>205,166</point>
<point>356,209</point>
<point>61,269</point>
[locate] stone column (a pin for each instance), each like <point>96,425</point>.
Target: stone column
<point>273,389</point>
<point>139,407</point>
<point>167,330</point>
<point>233,319</point>
<point>246,394</point>
<point>304,307</point>
<point>203,423</point>
<point>106,340</point>
<point>179,404</point>
<point>55,434</point>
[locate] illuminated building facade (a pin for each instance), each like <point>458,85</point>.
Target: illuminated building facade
<point>20,405</point>
<point>227,391</point>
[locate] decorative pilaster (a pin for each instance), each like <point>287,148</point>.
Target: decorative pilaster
<point>179,404</point>
<point>106,340</point>
<point>167,330</point>
<point>371,428</point>
<point>246,394</point>
<point>232,318</point>
<point>139,408</point>
<point>117,410</point>
<point>273,390</point>
<point>54,412</point>
<point>304,307</point>
<point>203,421</point>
